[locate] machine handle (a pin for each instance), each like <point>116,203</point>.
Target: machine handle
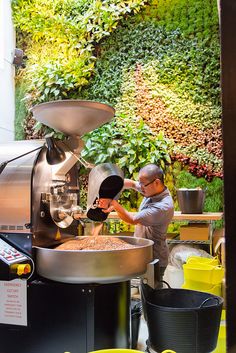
<point>152,276</point>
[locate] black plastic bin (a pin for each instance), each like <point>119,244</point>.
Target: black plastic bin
<point>136,312</point>
<point>185,321</point>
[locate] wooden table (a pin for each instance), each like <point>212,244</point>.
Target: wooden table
<point>205,216</point>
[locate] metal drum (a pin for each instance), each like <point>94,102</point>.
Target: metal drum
<point>191,201</point>
<point>95,266</point>
<point>106,180</point>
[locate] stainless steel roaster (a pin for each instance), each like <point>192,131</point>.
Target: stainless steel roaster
<point>77,301</point>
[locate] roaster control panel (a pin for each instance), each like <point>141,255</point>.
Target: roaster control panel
<point>13,263</point>
<point>9,254</point>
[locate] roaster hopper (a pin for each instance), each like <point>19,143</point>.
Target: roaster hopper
<point>40,208</point>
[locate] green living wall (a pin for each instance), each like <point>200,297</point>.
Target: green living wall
<point>156,62</point>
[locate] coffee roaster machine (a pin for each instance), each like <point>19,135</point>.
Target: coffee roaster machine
<point>76,301</point>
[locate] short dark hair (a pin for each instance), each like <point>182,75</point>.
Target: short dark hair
<point>152,171</point>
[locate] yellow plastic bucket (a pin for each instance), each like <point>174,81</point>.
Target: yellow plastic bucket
<point>205,273</point>
<point>203,287</point>
<point>214,261</point>
<point>117,350</point>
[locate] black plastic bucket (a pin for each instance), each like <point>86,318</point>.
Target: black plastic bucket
<point>183,320</point>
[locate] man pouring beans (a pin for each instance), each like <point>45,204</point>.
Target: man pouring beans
<point>154,214</point>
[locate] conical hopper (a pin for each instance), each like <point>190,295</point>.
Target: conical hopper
<point>73,117</point>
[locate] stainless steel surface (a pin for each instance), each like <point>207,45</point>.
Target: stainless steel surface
<point>22,185</point>
<point>61,208</point>
<point>47,230</point>
<point>191,201</point>
<point>15,185</point>
<point>105,181</point>
<point>93,266</point>
<point>73,117</point>
<point>152,275</point>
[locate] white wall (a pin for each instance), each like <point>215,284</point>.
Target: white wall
<point>7,70</point>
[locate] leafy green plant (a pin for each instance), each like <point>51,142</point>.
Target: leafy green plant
<point>91,50</point>
<point>175,69</point>
<point>201,156</point>
<point>20,108</point>
<point>197,19</point>
<point>131,145</point>
<point>61,40</point>
<point>201,115</point>
<point>180,63</point>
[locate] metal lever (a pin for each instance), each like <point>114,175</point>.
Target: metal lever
<point>86,164</point>
<point>152,276</point>
<point>77,212</point>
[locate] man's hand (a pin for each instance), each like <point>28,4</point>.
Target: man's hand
<point>105,204</point>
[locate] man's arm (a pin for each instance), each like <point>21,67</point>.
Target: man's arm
<point>131,184</point>
<point>109,205</point>
<point>123,213</point>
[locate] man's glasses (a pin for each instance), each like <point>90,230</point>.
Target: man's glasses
<point>145,185</point>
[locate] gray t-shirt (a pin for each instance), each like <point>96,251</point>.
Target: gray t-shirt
<point>154,215</point>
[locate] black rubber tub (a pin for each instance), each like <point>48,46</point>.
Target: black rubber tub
<point>185,321</point>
